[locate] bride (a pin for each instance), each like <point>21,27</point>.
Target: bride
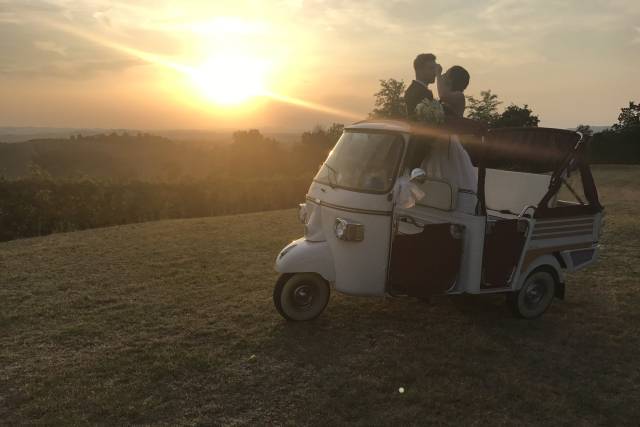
<point>449,161</point>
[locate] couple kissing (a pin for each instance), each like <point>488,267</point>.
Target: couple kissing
<point>442,159</point>
<point>451,86</point>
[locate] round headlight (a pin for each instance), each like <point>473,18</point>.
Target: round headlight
<point>340,228</point>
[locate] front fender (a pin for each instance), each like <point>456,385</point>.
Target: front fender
<point>302,256</point>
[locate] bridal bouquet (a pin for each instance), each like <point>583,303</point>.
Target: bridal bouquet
<point>430,111</point>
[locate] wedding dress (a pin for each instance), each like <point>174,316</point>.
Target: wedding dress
<point>450,162</point>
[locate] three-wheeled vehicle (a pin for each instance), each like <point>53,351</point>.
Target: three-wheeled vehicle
<point>533,216</point>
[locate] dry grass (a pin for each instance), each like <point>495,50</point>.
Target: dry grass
<point>157,323</point>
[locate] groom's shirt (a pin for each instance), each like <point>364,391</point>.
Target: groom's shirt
<point>415,94</point>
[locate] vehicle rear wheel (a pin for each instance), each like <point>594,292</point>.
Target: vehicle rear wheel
<point>301,296</point>
<point>535,296</point>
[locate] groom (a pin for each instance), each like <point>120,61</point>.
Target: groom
<point>426,69</point>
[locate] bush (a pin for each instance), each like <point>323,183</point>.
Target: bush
<point>40,206</point>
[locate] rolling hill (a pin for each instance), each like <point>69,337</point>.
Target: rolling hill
<point>172,322</point>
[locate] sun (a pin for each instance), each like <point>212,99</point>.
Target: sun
<point>230,79</point>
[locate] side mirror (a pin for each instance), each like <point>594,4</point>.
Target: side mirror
<point>418,175</point>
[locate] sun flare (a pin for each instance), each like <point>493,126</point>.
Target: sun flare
<point>229,80</point>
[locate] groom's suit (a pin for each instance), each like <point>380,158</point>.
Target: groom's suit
<point>415,93</point>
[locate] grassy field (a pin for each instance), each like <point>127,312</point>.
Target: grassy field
<point>172,322</point>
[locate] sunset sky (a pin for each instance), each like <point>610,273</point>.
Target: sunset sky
<point>291,64</point>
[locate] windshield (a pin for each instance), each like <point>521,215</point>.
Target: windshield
<point>361,161</point>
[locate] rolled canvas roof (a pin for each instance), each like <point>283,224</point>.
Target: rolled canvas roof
<point>528,149</point>
<point>451,125</point>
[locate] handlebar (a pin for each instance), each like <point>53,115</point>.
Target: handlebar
<point>525,209</point>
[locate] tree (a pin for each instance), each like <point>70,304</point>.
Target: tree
<point>322,139</point>
<point>620,144</point>
<point>585,130</point>
<point>314,147</point>
<point>335,132</point>
<point>484,109</point>
<point>629,117</point>
<point>389,101</point>
<point>514,116</point>
<point>254,154</point>
<point>252,136</point>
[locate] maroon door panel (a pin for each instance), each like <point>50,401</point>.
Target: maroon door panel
<point>426,263</point>
<point>502,249</point>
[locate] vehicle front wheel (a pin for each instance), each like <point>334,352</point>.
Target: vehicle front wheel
<point>535,296</point>
<point>301,296</point>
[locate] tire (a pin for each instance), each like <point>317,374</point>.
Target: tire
<point>301,296</point>
<point>535,296</point>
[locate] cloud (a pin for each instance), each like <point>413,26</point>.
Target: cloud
<point>471,31</point>
<point>65,69</point>
<point>352,17</point>
<point>32,51</point>
<point>636,40</point>
<point>30,48</point>
<point>48,46</point>
<point>14,12</point>
<point>22,6</point>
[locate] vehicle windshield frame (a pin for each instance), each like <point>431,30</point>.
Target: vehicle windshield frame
<point>398,136</point>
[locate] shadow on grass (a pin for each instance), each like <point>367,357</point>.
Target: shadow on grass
<point>351,324</point>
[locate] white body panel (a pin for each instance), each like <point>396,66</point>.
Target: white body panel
<point>302,256</point>
<point>360,267</point>
<point>561,236</point>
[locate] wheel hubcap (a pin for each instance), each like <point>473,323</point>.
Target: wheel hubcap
<point>303,296</point>
<point>534,294</point>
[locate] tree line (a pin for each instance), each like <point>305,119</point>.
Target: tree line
<point>36,206</point>
<point>620,143</point>
<point>389,103</point>
<point>149,158</point>
<point>103,180</point>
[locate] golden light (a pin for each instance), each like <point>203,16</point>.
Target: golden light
<point>230,79</point>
